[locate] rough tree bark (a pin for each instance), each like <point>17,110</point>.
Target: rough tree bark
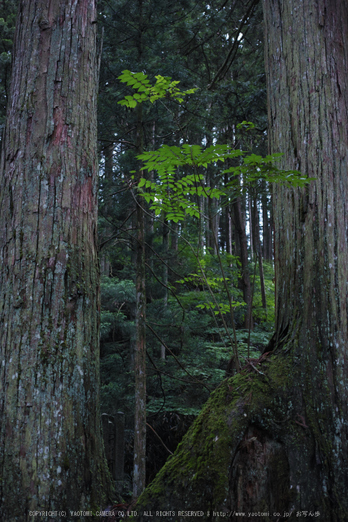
<point>307,66</point>
<point>275,442</point>
<point>51,455</point>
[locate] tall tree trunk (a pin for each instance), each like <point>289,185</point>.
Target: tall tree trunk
<point>51,454</point>
<point>251,227</point>
<point>150,231</point>
<point>139,473</point>
<point>245,279</point>
<point>307,69</point>
<point>165,243</point>
<point>174,233</point>
<point>139,463</point>
<point>212,223</point>
<point>276,441</point>
<point>258,252</point>
<point>225,239</point>
<point>107,208</point>
<point>201,203</point>
<point>266,226</point>
<point>229,247</point>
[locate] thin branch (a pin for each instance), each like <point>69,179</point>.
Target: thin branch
<point>176,359</point>
<point>226,65</point>
<point>175,378</point>
<point>115,235</point>
<point>155,432</point>
<point>161,259</point>
<point>234,344</point>
<point>168,288</point>
<point>160,380</point>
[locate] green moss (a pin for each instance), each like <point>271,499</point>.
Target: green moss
<point>202,460</point>
<point>283,403</point>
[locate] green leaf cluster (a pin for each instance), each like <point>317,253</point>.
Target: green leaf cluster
<point>171,192</point>
<point>164,87</point>
<point>220,308</point>
<point>256,168</point>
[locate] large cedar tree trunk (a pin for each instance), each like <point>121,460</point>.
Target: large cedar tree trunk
<point>51,455</point>
<point>275,442</point>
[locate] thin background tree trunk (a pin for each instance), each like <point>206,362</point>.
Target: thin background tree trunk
<point>266,226</point>
<point>257,250</point>
<point>245,279</point>
<point>139,469</point>
<point>165,242</point>
<point>51,454</point>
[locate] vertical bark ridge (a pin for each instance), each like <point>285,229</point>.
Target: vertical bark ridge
<point>51,451</point>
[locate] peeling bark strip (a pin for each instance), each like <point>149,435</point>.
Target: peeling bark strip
<point>276,441</point>
<point>50,446</point>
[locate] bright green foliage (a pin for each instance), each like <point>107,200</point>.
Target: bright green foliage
<point>220,308</point>
<point>163,88</point>
<point>216,281</point>
<point>168,158</point>
<point>169,193</point>
<point>255,168</point>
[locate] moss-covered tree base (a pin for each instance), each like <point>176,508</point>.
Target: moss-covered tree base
<point>255,448</point>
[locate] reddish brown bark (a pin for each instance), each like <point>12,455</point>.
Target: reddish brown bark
<point>50,445</point>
